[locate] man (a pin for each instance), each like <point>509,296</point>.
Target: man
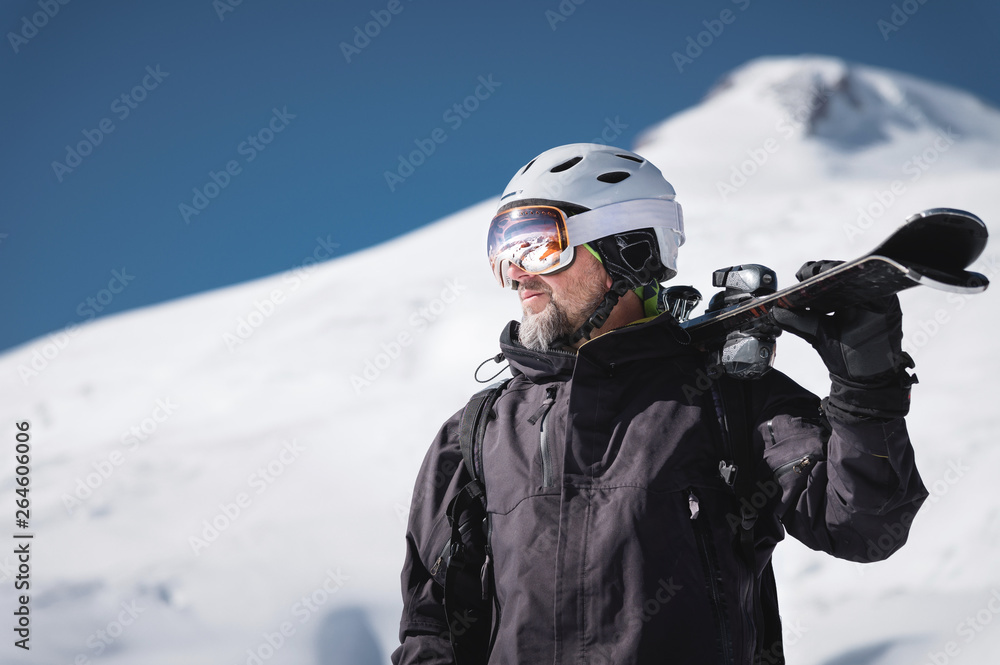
<point>631,515</point>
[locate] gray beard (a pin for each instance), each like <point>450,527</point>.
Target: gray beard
<point>552,327</point>
<point>540,332</point>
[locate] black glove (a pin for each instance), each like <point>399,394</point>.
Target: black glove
<point>862,347</point>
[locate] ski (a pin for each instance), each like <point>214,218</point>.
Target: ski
<point>933,248</point>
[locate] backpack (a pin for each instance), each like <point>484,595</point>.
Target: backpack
<point>470,602</point>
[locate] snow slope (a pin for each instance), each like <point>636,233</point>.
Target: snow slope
<point>226,477</point>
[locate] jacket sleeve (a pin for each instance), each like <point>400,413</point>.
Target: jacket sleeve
<point>423,628</point>
<point>847,487</point>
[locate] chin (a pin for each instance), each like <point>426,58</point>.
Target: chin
<point>534,307</point>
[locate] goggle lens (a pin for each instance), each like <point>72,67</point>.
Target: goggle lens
<point>531,237</point>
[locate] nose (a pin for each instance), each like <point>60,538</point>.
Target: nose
<point>516,273</point>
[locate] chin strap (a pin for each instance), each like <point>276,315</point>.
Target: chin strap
<point>621,286</point>
<point>601,314</point>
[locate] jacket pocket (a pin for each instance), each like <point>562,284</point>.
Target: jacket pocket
<point>540,416</point>
<point>793,448</point>
<point>799,465</point>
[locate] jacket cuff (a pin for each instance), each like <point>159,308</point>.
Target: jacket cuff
<point>881,398</point>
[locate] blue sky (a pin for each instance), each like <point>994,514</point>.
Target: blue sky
<point>286,118</point>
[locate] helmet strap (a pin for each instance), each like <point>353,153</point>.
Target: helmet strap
<point>618,289</point>
<point>601,314</point>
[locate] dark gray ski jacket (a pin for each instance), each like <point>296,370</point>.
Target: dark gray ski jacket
<point>612,530</point>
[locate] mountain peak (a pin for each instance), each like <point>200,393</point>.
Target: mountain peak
<point>813,119</point>
<point>854,106</point>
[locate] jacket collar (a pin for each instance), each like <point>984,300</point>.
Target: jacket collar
<point>657,337</point>
<point>535,365</point>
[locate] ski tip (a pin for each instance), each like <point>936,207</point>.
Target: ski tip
<point>953,216</point>
<point>965,282</point>
<point>946,239</point>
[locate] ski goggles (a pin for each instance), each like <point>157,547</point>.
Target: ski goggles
<point>539,239</point>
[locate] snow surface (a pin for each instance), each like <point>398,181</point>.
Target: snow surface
<point>319,458</point>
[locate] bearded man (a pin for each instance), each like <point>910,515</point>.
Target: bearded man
<point>615,528</point>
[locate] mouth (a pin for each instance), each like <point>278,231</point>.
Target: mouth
<point>530,291</point>
<point>528,295</point>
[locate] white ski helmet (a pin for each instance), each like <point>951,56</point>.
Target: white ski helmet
<point>590,183</point>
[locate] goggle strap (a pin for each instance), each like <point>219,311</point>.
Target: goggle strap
<point>625,216</point>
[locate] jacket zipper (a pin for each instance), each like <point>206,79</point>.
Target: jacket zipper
<point>543,446</point>
<point>798,465</point>
<point>754,613</point>
<point>712,574</point>
<point>747,587</point>
<point>442,559</point>
<point>746,578</point>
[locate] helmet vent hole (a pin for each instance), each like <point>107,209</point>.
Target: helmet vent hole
<point>634,159</point>
<point>613,176</point>
<point>569,163</point>
<point>527,167</point>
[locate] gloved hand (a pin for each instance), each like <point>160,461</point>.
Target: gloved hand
<point>862,347</point>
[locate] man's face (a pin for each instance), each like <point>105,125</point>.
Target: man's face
<point>556,305</point>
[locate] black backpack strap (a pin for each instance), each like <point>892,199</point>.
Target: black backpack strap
<point>737,416</point>
<point>473,426</point>
<point>470,604</point>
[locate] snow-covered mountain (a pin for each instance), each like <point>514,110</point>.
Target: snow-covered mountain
<point>226,477</point>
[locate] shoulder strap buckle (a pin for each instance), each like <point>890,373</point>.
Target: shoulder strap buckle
<point>728,472</point>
